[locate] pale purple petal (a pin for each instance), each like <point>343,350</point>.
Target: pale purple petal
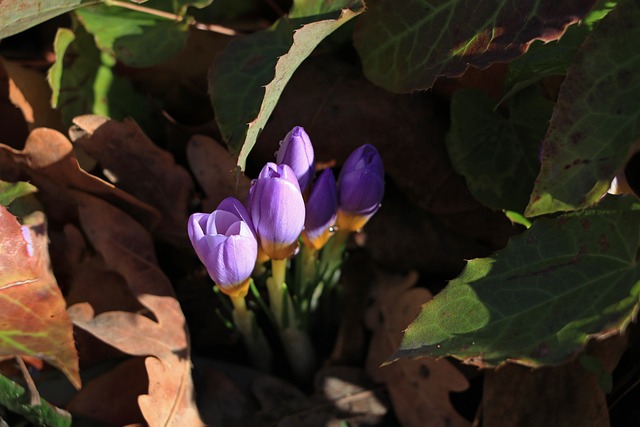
<point>296,151</point>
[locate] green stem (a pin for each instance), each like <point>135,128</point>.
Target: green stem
<point>15,398</point>
<point>278,270</point>
<point>254,339</point>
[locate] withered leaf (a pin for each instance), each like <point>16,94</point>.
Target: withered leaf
<point>141,168</point>
<point>419,388</point>
<point>33,320</point>
<point>215,169</point>
<point>47,160</point>
<point>170,400</point>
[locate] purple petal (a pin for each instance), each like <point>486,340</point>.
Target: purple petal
<point>232,261</point>
<point>321,206</point>
<point>361,181</point>
<point>277,210</point>
<point>233,205</point>
<point>296,151</point>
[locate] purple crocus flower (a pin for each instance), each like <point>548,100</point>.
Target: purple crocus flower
<point>322,209</point>
<point>297,152</point>
<point>277,210</point>
<point>360,188</point>
<point>226,244</point>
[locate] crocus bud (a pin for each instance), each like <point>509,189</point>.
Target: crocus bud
<point>277,210</point>
<point>321,211</point>
<point>296,151</point>
<point>360,188</point>
<point>226,244</point>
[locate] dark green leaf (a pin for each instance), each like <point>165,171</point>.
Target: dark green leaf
<point>248,77</point>
<point>19,15</point>
<point>542,297</point>
<point>498,155</point>
<point>596,121</point>
<point>553,58</point>
<point>405,46</point>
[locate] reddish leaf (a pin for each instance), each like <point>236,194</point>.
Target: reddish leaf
<point>170,397</point>
<point>419,388</point>
<point>33,320</point>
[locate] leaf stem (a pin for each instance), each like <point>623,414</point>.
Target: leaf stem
<point>172,16</point>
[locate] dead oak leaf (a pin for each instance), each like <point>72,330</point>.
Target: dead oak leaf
<point>215,170</point>
<point>141,168</point>
<point>419,388</point>
<point>170,400</point>
<point>48,160</point>
<point>33,320</point>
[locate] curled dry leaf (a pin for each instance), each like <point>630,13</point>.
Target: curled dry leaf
<point>419,388</point>
<point>170,400</point>
<point>215,169</point>
<point>33,320</point>
<point>29,91</point>
<point>48,162</point>
<point>141,168</point>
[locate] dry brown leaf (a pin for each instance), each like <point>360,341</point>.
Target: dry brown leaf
<point>48,162</point>
<point>29,91</point>
<point>170,400</point>
<point>419,388</point>
<point>15,134</point>
<point>141,168</point>
<point>565,395</point>
<point>111,397</point>
<point>215,169</point>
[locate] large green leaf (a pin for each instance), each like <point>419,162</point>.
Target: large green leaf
<point>497,152</point>
<point>405,46</point>
<point>83,82</point>
<point>552,59</point>
<point>249,76</point>
<point>138,39</point>
<point>596,121</point>
<point>19,15</point>
<point>540,299</point>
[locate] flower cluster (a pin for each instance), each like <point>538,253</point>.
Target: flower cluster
<point>228,240</point>
<point>285,206</point>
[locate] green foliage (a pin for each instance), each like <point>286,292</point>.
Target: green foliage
<point>138,39</point>
<point>19,15</point>
<point>16,398</point>
<point>498,155</point>
<point>405,48</point>
<point>541,298</point>
<point>83,81</point>
<point>250,74</point>
<point>596,121</point>
<point>10,191</point>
